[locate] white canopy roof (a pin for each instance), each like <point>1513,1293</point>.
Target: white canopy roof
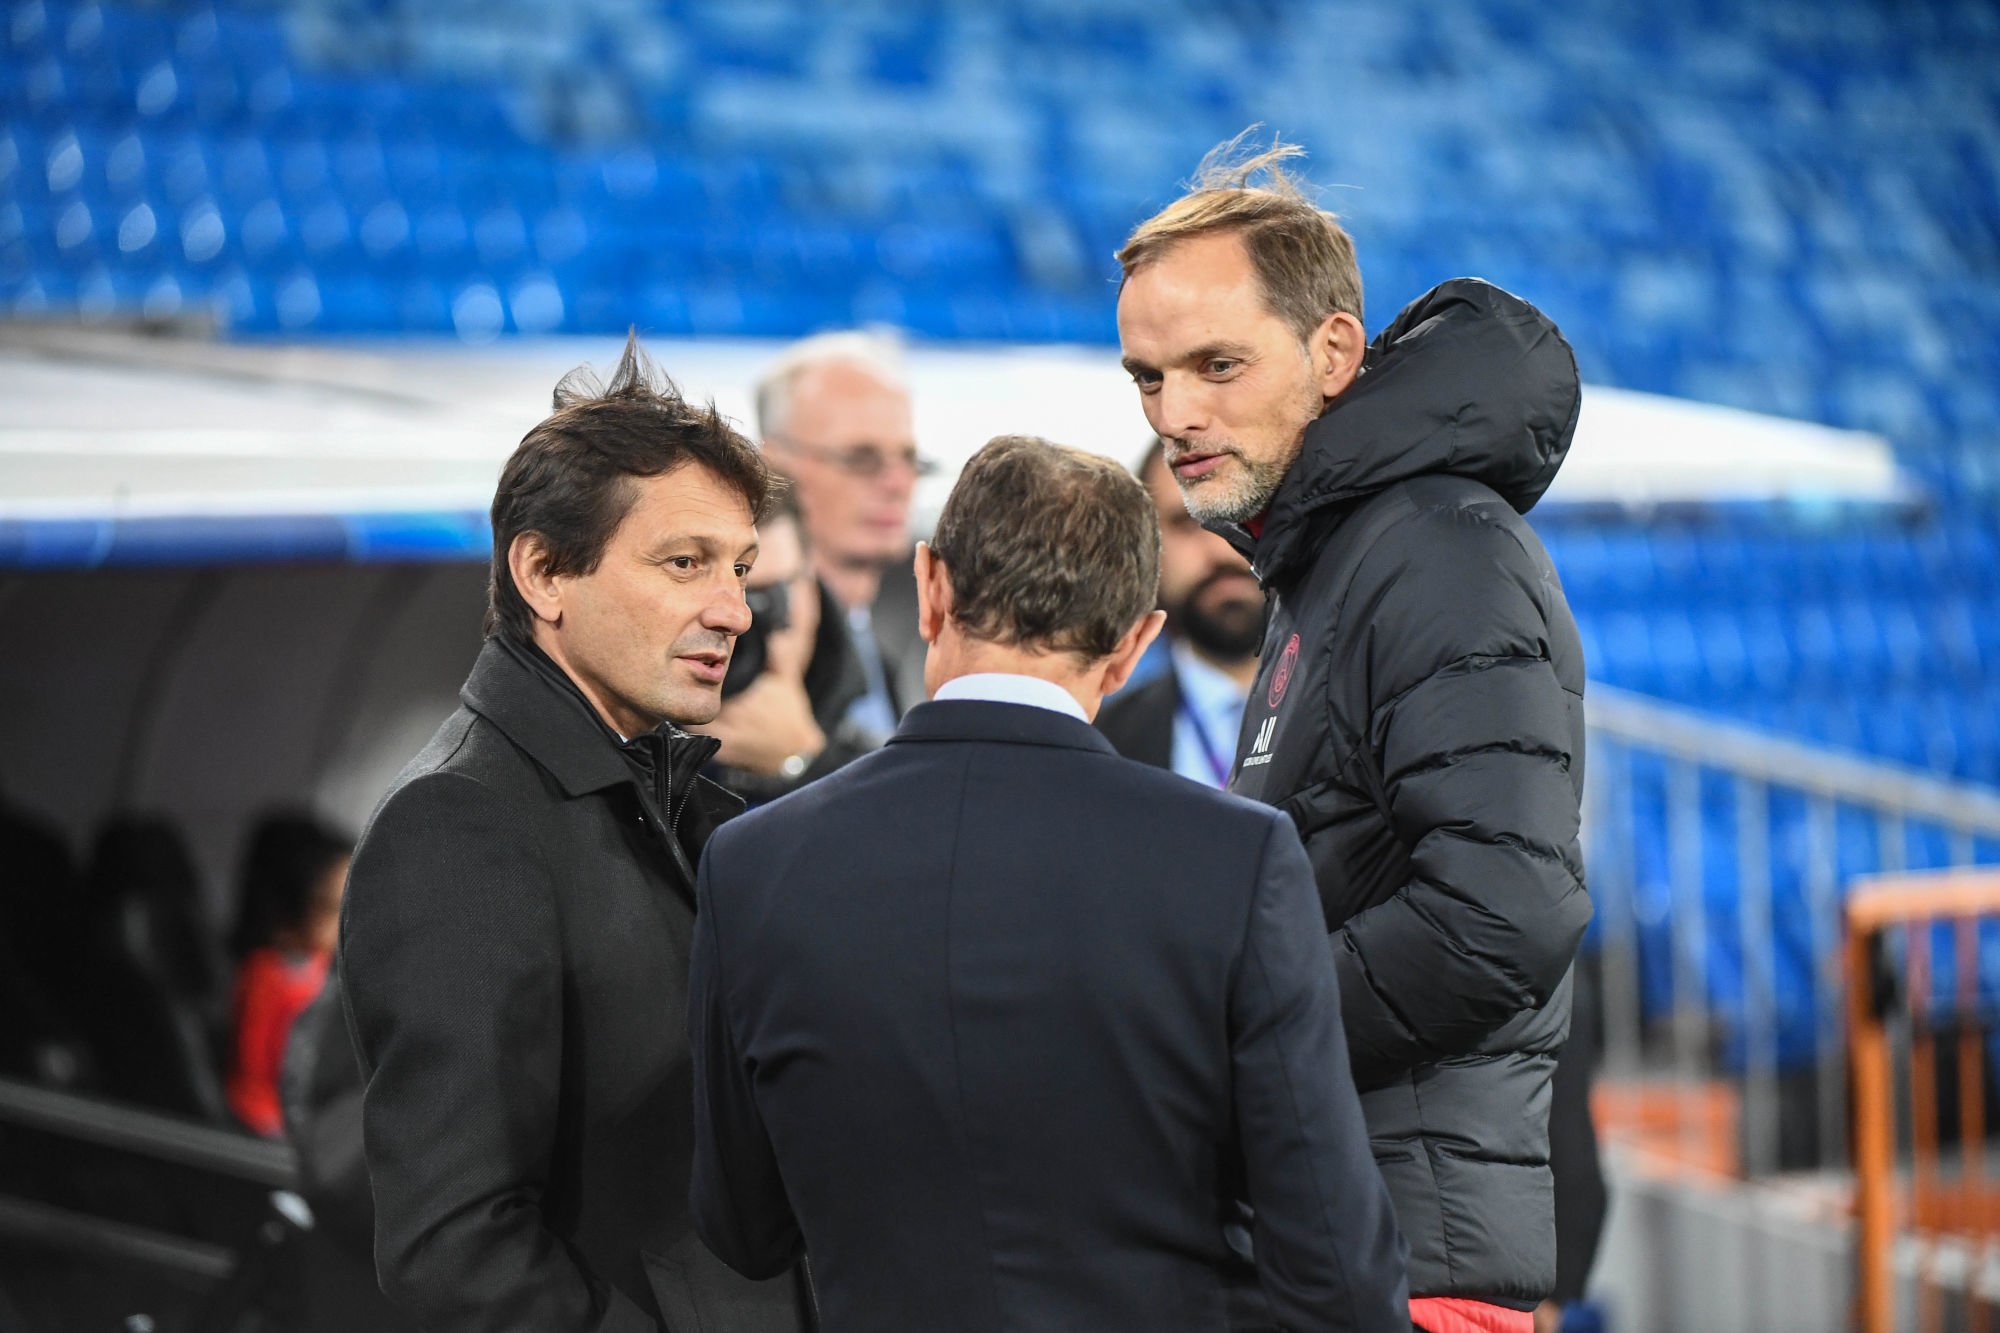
<point>111,428</point>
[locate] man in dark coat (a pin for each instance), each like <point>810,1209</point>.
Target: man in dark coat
<point>998,1025</point>
<point>1419,707</point>
<point>515,938</point>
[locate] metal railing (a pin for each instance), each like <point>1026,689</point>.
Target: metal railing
<point>166,1138</point>
<point>1899,1026</point>
<point>149,1134</point>
<point>1717,857</point>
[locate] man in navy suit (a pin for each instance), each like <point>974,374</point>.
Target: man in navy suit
<point>1002,1029</point>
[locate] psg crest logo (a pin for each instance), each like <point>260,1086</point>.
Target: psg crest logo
<point>1288,662</point>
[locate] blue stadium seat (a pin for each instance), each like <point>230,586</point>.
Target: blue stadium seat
<point>696,168</point>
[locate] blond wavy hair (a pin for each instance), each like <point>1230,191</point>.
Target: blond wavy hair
<point>1302,255</point>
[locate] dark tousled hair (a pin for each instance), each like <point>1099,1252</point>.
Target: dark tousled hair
<point>569,479</point>
<point>1050,548</point>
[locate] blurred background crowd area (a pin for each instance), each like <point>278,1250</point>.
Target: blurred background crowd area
<point>1791,208</point>
<point>1787,208</point>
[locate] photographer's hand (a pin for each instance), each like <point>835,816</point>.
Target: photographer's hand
<point>768,723</point>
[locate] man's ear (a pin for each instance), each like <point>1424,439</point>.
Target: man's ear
<point>933,593</point>
<point>528,562</point>
<point>1336,348</point>
<point>1124,659</point>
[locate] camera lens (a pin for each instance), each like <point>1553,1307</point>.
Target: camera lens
<point>770,609</point>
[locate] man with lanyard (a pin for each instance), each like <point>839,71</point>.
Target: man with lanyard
<point>1186,717</point>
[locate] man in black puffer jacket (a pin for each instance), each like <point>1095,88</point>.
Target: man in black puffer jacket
<point>1419,707</point>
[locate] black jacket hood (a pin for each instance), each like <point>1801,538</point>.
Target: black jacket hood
<point>1468,380</point>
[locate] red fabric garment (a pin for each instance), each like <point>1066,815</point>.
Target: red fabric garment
<point>273,987</point>
<point>1446,1314</point>
<point>1256,525</point>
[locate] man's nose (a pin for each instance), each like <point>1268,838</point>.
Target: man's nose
<point>728,612</point>
<point>1183,407</point>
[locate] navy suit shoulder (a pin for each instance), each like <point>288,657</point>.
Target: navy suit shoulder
<point>1149,815</point>
<point>1123,780</point>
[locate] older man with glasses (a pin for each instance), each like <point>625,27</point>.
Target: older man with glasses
<point>834,414</point>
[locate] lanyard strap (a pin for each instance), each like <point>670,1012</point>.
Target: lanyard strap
<point>1218,763</point>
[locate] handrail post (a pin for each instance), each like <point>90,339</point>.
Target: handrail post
<point>1874,1150</point>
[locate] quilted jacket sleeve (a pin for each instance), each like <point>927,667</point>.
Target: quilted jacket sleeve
<point>1473,734</point>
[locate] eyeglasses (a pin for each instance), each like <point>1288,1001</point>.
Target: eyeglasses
<point>861,460</point>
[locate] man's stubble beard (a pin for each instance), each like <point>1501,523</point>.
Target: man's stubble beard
<point>1209,501</point>
<point>698,706</point>
<point>1252,495</point>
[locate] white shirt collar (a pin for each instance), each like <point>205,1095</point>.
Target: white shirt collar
<point>1004,687</point>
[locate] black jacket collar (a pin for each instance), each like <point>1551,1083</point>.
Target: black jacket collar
<point>1015,724</point>
<point>519,690</point>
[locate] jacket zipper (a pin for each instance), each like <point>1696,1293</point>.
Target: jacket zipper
<point>673,817</point>
<point>673,813</point>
